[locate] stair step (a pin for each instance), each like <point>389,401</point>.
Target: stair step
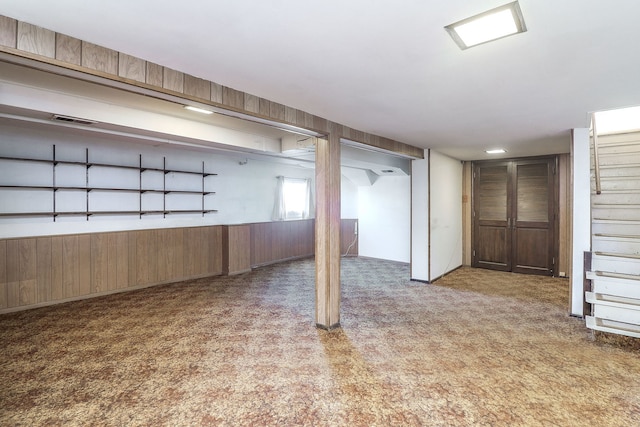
<point>607,274</point>
<point>618,255</point>
<point>617,236</point>
<point>613,327</point>
<point>615,243</point>
<point>609,262</point>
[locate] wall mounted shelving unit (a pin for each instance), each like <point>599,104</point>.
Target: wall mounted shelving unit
<point>88,189</point>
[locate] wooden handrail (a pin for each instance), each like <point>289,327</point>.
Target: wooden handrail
<point>596,158</point>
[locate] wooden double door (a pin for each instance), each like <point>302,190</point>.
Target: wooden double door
<point>514,215</point>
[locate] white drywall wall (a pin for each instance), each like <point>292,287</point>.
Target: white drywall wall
<point>384,216</point>
<point>420,219</point>
<point>446,214</point>
<point>582,218</point>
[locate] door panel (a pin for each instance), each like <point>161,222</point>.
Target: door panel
<point>528,256</point>
<point>514,221</point>
<point>532,193</point>
<point>491,250</point>
<point>492,247</point>
<point>533,211</point>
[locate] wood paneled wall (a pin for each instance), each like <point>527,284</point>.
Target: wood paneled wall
<point>37,271</point>
<point>564,215</point>
<point>276,241</point>
<point>349,237</point>
<point>41,270</point>
<point>29,41</point>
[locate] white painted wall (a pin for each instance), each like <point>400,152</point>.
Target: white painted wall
<point>420,219</point>
<point>446,214</point>
<point>384,213</point>
<point>348,198</point>
<point>244,193</point>
<point>581,186</point>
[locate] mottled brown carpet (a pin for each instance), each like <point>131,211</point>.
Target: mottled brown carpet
<point>477,348</point>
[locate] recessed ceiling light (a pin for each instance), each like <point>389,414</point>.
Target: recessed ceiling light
<point>197,110</point>
<point>491,25</point>
<point>496,151</point>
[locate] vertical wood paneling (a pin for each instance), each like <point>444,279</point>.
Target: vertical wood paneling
<point>170,254</point>
<point>207,249</point>
<point>13,273</point>
<point>304,119</point>
<point>3,274</point>
<point>146,257</point>
<point>44,269</point>
<point>99,58</point>
<point>251,103</point>
<point>112,266</point>
<point>348,237</point>
<point>189,253</point>
<point>264,107</point>
<point>49,269</point>
<point>57,268</point>
<point>215,250</point>
<point>564,217</point>
<point>328,231</point>
<point>84,264</point>
<point>36,40</point>
<point>276,111</point>
<point>202,251</point>
<point>236,241</point>
<point>466,212</point>
<point>320,124</point>
<point>177,237</point>
<point>173,80</point>
<point>8,32</point>
<point>28,274</point>
<point>132,68</point>
<point>99,262</point>
<point>162,252</point>
<point>70,267</point>
<point>290,115</point>
<point>122,260</point>
<point>232,98</point>
<point>277,241</point>
<point>216,92</point>
<point>132,243</point>
<point>357,135</point>
<point>154,74</point>
<point>68,49</point>
<point>199,88</point>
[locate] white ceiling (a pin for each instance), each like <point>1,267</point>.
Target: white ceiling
<point>385,67</point>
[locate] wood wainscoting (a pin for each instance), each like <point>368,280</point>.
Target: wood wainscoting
<point>37,271</point>
<point>40,271</point>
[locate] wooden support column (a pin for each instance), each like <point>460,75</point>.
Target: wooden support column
<point>328,232</point>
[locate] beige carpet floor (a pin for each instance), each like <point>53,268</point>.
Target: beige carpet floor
<point>477,348</point>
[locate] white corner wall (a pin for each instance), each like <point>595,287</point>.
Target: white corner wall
<point>384,219</point>
<point>420,219</point>
<point>446,214</point>
<point>581,186</point>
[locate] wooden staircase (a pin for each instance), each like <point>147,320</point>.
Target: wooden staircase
<point>615,239</point>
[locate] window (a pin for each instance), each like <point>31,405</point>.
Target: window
<point>293,199</point>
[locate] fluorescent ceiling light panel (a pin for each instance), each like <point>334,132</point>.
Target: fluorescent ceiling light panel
<point>496,151</point>
<point>197,110</point>
<point>491,25</point>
